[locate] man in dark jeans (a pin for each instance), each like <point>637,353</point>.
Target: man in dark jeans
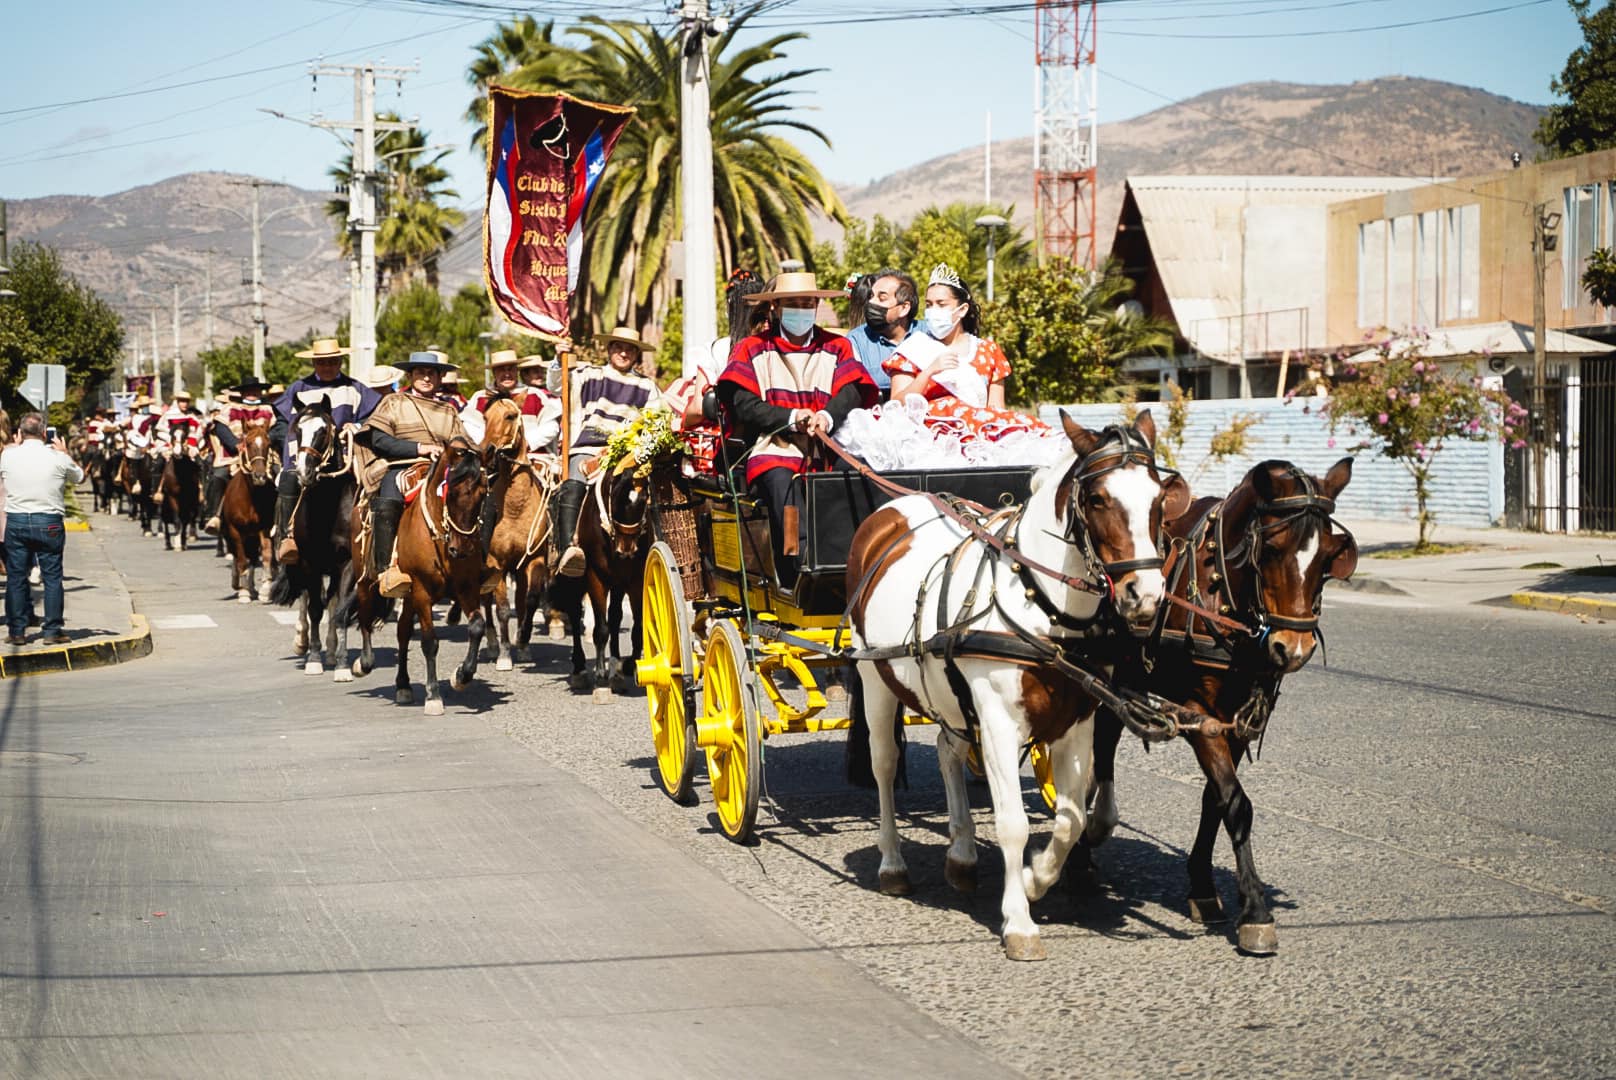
<point>35,474</point>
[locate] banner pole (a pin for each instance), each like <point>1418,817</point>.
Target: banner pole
<point>566,410</point>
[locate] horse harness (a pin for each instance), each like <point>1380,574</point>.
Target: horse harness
<point>1076,655</point>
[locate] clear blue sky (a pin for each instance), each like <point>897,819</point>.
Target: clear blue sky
<point>892,94</point>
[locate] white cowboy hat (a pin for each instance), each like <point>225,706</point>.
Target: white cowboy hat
<point>625,336</point>
<point>142,401</point>
<point>528,363</point>
<point>325,348</point>
<point>798,283</point>
<point>383,375</point>
<point>503,358</point>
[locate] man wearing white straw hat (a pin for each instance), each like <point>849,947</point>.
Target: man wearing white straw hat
<point>351,401</point>
<point>505,371</point>
<point>782,387</point>
<point>603,399</point>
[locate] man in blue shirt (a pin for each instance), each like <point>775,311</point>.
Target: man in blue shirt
<point>888,317</point>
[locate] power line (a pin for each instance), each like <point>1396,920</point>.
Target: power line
<point>1337,31</point>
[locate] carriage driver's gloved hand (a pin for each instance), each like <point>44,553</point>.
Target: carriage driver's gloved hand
<point>569,500</point>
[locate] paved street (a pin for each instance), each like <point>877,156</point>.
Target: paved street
<point>213,865</point>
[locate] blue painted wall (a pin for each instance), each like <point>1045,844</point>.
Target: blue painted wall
<point>1467,482</point>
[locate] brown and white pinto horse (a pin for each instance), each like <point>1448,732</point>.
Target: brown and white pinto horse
<point>440,547</point>
<point>981,637</point>
<point>1253,566</point>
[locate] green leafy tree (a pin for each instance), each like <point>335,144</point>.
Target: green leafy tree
<point>933,239</point>
<point>54,319</point>
<point>1066,333</point>
<point>950,234</point>
<point>1586,120</point>
<point>765,189</point>
<point>1407,408</point>
<point>232,363</point>
<point>417,318</point>
<point>416,223</point>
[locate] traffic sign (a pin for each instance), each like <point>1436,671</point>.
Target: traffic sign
<point>45,385</point>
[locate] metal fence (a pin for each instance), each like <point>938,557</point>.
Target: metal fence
<point>1577,434</point>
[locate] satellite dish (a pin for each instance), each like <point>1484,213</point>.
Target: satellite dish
<point>1129,310</point>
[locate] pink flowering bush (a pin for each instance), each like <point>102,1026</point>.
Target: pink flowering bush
<point>1409,408</point>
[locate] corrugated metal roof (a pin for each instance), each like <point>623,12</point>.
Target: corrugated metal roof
<point>1242,258</point>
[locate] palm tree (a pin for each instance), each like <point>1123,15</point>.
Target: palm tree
<point>415,225</point>
<point>765,188</point>
<point>520,54</point>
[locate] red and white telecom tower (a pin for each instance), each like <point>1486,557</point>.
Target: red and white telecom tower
<point>1065,145</point>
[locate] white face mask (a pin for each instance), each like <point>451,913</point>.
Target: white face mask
<point>940,321</point>
<point>796,321</point>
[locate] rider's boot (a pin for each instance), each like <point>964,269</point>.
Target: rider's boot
<point>215,497</point>
<point>384,518</point>
<point>285,504</point>
<point>569,500</point>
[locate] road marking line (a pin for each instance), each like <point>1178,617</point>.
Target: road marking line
<point>285,618</point>
<point>183,622</point>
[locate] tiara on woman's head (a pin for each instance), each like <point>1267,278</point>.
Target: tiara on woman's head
<point>943,274</point>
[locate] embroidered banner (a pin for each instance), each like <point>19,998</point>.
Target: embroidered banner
<point>546,153</point>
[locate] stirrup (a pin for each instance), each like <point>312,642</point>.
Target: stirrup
<point>572,562</point>
<point>394,583</point>
<point>212,524</point>
<point>287,552</point>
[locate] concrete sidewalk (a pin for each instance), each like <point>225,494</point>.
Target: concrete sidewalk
<point>98,615</point>
<point>1548,571</point>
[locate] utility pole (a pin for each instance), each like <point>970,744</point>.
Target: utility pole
<point>207,309</point>
<point>1540,367</point>
<point>260,335</point>
<point>362,199</point>
<point>179,376</point>
<point>696,176</point>
<point>157,361</point>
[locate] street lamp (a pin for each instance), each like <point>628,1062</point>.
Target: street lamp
<point>991,222</point>
<point>485,337</point>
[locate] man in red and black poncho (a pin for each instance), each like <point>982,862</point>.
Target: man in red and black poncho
<point>783,386</point>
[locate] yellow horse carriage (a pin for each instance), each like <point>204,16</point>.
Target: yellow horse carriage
<point>724,640</point>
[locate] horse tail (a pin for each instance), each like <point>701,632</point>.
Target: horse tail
<point>282,591</point>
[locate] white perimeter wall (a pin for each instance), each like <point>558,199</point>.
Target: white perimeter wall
<point>1467,482</point>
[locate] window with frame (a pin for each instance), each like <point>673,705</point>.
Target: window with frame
<point>1582,232</point>
<point>1372,273</point>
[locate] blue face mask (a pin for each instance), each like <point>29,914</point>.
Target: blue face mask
<point>940,321</point>
<point>797,321</point>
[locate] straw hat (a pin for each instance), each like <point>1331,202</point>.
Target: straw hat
<point>625,336</point>
<point>383,375</point>
<point>277,390</point>
<point>793,285</point>
<point>183,395</point>
<point>325,348</point>
<point>503,358</point>
<point>528,363</point>
<point>451,378</point>
<point>141,402</point>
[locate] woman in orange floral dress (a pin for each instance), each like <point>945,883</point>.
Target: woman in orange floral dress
<point>960,376</point>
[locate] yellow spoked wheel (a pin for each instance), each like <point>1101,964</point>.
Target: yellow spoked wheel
<point>729,730</point>
<point>665,670</point>
<point>1041,772</point>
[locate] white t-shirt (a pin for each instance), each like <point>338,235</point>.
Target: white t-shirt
<point>34,476</point>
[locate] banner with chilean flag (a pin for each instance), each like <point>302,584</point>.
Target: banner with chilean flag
<point>546,153</point>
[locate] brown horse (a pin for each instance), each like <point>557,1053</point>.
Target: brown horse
<point>1244,597</point>
<point>613,530</point>
<point>519,542</point>
<point>179,495</point>
<point>440,547</point>
<point>247,513</point>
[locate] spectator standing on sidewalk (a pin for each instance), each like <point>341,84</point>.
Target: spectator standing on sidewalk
<point>34,475</point>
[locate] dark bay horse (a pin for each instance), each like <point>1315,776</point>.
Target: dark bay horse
<point>982,629</point>
<point>322,577</point>
<point>440,547</point>
<point>138,478</point>
<point>103,470</point>
<point>614,532</point>
<point>519,541</point>
<point>247,513</point>
<point>1253,566</point>
<point>178,494</point>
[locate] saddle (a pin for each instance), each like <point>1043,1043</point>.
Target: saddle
<point>413,479</point>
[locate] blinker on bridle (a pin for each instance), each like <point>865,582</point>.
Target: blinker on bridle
<point>1131,449</point>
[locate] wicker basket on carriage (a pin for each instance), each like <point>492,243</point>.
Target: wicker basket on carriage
<point>673,521</point>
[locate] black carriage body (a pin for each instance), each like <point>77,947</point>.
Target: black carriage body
<point>834,505</point>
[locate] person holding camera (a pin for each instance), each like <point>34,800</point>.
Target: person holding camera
<point>35,470</point>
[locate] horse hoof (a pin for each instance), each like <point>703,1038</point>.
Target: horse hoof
<point>961,875</point>
<point>244,597</point>
<point>895,883</point>
<point>1258,939</point>
<point>263,594</point>
<point>558,629</point>
<point>503,664</point>
<point>458,683</point>
<point>1024,947</point>
<point>359,669</point>
<point>314,667</point>
<point>433,707</point>
<point>602,695</point>
<point>835,692</point>
<point>1206,911</point>
<point>342,674</point>
<point>403,696</point>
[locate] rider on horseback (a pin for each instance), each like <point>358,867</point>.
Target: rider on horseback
<point>407,426</point>
<point>603,399</point>
<point>541,413</point>
<point>225,432</point>
<point>351,402</point>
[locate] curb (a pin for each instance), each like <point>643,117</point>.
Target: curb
<point>90,654</point>
<point>1567,605</point>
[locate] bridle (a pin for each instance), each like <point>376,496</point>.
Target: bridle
<point>1287,510</point>
<point>329,454</point>
<point>251,463</point>
<point>456,447</point>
